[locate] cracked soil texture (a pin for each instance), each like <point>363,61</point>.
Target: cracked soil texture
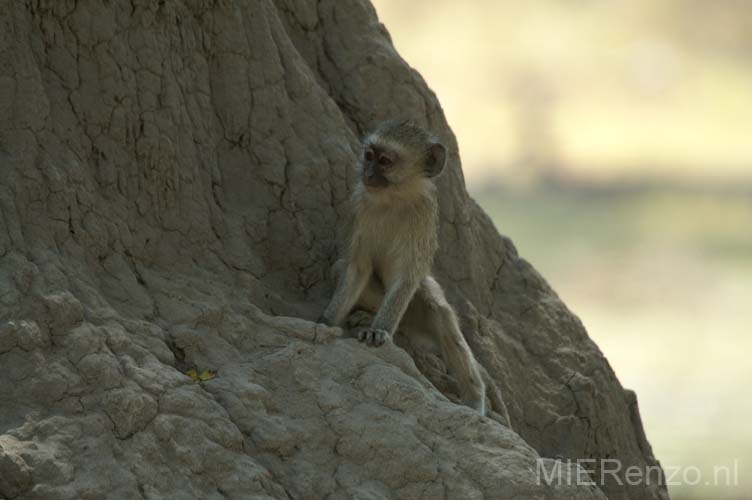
<point>173,175</point>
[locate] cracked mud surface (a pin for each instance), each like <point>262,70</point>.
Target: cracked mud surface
<point>172,177</point>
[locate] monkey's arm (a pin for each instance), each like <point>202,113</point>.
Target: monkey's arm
<point>349,289</point>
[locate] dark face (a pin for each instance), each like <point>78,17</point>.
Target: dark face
<point>377,162</point>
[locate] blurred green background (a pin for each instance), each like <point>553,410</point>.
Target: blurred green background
<point>612,141</point>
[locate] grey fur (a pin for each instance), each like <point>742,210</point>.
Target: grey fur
<point>392,244</point>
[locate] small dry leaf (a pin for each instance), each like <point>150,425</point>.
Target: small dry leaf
<point>201,377</point>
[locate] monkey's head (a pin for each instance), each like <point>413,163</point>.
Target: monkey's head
<point>398,152</point>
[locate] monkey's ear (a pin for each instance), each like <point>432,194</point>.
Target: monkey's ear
<point>435,159</point>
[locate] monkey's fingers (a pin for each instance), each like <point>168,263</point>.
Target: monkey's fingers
<point>362,334</point>
<point>374,337</point>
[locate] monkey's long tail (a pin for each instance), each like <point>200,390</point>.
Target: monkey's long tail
<point>494,394</point>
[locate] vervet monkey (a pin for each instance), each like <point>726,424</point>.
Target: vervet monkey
<point>393,239</point>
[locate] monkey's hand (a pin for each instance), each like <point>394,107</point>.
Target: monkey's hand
<point>374,337</point>
<point>327,317</point>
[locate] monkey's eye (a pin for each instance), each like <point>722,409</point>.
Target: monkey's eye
<point>385,160</point>
<point>368,155</point>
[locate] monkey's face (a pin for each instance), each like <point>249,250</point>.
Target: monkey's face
<point>385,165</point>
<point>379,166</point>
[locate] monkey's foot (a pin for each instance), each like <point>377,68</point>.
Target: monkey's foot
<point>374,337</point>
<point>359,319</point>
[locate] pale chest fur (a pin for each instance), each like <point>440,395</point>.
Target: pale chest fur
<point>395,228</point>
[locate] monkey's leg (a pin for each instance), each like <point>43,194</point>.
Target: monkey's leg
<point>348,291</point>
<point>438,317</point>
<point>393,307</point>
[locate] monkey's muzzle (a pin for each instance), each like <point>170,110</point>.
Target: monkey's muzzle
<point>373,178</point>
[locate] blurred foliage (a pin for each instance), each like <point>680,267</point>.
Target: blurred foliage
<point>608,88</point>
<point>661,276</point>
